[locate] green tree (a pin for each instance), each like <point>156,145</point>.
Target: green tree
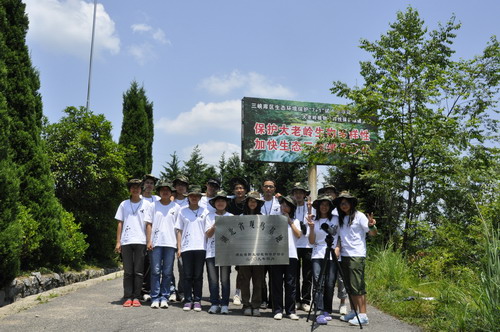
<point>148,107</point>
<point>24,108</point>
<point>430,109</point>
<point>173,168</point>
<point>286,175</point>
<point>89,171</point>
<point>195,168</point>
<point>136,133</point>
<point>10,228</point>
<point>234,168</point>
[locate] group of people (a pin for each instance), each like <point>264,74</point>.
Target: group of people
<point>180,222</point>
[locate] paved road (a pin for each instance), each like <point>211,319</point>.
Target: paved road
<point>96,306</point>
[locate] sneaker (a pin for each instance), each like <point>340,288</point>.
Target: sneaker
<point>187,306</point>
<point>306,307</point>
<point>247,312</point>
<point>164,304</point>
<point>256,312</point>
<point>155,304</point>
<point>321,320</point>
<point>236,299</point>
<point>136,303</point>
<point>363,320</point>
<point>179,297</point>
<point>197,306</point>
<point>293,317</point>
<point>213,309</point>
<point>146,297</point>
<point>343,309</point>
<point>172,297</point>
<point>348,317</point>
<point>224,310</point>
<point>278,316</point>
<point>327,316</point>
<point>263,305</point>
<point>127,303</point>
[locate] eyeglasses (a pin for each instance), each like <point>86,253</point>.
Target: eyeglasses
<point>268,187</point>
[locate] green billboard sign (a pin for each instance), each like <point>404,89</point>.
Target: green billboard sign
<point>282,130</point>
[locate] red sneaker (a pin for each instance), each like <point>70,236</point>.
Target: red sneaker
<point>136,303</point>
<point>127,303</point>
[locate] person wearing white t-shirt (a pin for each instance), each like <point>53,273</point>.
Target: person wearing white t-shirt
<point>270,207</point>
<point>213,186</point>
<point>286,274</point>
<point>162,244</point>
<point>304,248</point>
<point>353,226</point>
<point>317,238</point>
<point>217,274</point>
<point>132,215</point>
<point>148,184</point>
<point>191,246</point>
<point>180,184</point>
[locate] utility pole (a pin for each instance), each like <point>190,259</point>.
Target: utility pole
<point>91,55</point>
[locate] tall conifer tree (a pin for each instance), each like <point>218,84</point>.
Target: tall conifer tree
<point>136,134</point>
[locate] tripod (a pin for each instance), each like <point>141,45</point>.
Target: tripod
<point>320,283</point>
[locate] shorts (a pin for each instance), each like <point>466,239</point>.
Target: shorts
<point>353,269</point>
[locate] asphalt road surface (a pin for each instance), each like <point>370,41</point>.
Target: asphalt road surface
<point>96,305</point>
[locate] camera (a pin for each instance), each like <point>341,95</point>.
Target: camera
<point>330,230</point>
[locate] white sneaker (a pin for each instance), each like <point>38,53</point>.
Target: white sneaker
<point>343,309</point>
<point>236,299</point>
<point>146,297</point>
<point>363,320</point>
<point>278,316</point>
<point>224,310</point>
<point>247,312</point>
<point>293,317</point>
<point>348,317</point>
<point>172,297</point>
<point>213,309</point>
<point>256,312</point>
<point>164,304</point>
<point>306,307</point>
<point>155,304</point>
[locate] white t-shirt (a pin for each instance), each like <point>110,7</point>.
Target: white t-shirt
<point>301,216</point>
<point>163,225</point>
<point>181,202</point>
<point>192,225</point>
<point>134,217</point>
<point>292,240</point>
<point>319,247</point>
<point>271,207</point>
<point>205,204</point>
<point>209,222</point>
<point>151,199</point>
<point>354,237</point>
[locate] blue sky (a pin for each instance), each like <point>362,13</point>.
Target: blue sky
<point>198,59</point>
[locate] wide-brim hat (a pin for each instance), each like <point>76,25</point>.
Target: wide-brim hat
<point>289,200</point>
<point>180,178</point>
<point>320,199</point>
<point>150,176</point>
<point>328,186</point>
<point>345,195</point>
<point>220,194</point>
<point>301,186</point>
<point>194,190</point>
<point>255,195</point>
<point>132,182</point>
<point>235,180</point>
<point>214,181</point>
<point>162,184</point>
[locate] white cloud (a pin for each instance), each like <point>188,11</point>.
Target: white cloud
<point>204,118</point>
<point>141,27</point>
<point>159,36</point>
<point>251,84</point>
<point>212,151</point>
<point>65,26</point>
<point>142,53</point>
